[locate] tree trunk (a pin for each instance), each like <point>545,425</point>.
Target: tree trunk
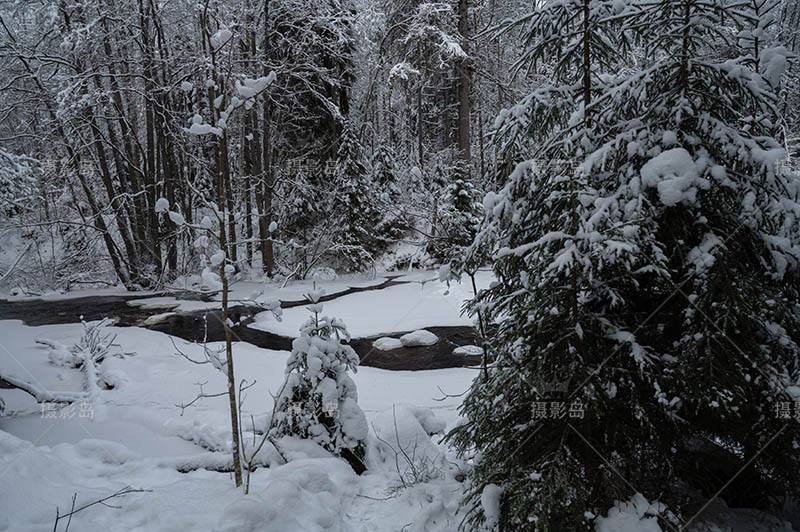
<point>463,83</point>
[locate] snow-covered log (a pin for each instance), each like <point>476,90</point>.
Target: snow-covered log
<point>8,382</point>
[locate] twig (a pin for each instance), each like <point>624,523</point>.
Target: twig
<point>124,491</point>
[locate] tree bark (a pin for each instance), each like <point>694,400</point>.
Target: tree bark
<point>464,83</point>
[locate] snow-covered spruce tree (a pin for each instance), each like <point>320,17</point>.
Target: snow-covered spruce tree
<point>657,286</point>
<point>690,139</point>
<point>559,302</point>
<point>385,179</point>
<point>319,400</point>
<point>460,216</point>
<point>301,215</point>
<point>355,203</point>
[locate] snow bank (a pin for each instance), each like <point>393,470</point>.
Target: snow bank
<point>309,495</point>
<point>401,440</point>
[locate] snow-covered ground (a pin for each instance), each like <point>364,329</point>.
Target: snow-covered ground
<point>422,302</point>
<point>136,436</point>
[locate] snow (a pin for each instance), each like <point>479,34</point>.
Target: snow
<point>186,86</point>
<point>401,443</point>
<point>419,338</point>
<point>387,343</point>
<point>221,37</point>
<point>675,175</point>
<point>636,515</point>
<point>142,438</point>
<point>252,87</point>
<point>217,258</point>
<point>773,64</point>
<point>422,302</point>
<point>162,205</point>
<point>309,495</point>
<point>177,218</point>
<point>474,350</point>
<point>204,129</point>
<point>139,437</point>
<point>490,501</point>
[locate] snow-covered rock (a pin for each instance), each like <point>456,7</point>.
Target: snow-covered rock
<point>419,338</point>
<point>387,343</point>
<point>468,350</point>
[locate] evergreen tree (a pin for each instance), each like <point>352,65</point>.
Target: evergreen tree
<point>654,289</point>
<point>384,172</point>
<point>461,214</point>
<point>385,179</point>
<point>319,400</point>
<point>300,214</point>
<point>355,201</point>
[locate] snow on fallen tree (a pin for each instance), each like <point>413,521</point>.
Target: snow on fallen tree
<point>87,354</point>
<point>8,382</point>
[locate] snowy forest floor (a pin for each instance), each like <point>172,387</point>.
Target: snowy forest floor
<point>134,434</point>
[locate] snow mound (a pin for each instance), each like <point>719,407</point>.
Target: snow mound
<point>636,515</point>
<point>309,495</point>
<point>60,355</point>
<point>419,338</point>
<point>468,350</point>
<point>402,433</point>
<point>387,343</point>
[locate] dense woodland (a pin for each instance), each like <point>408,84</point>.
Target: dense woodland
<point>374,111</point>
<point>625,167</point>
